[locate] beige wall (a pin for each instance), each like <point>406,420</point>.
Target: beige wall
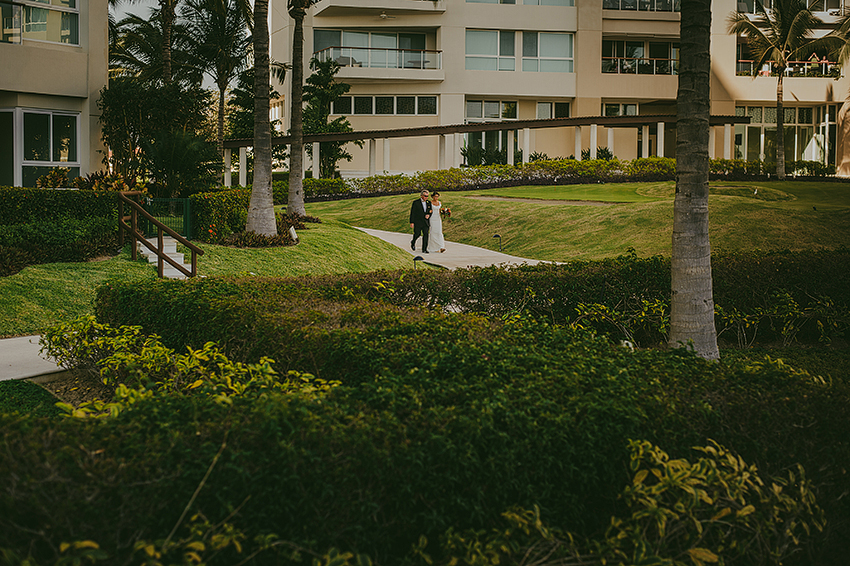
<point>49,76</point>
<point>587,88</point>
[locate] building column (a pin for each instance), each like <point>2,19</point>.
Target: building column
<point>578,143</point>
<point>386,155</point>
<point>511,156</point>
<point>227,160</point>
<point>317,157</point>
<point>611,140</point>
<point>727,141</point>
<point>593,142</point>
<point>526,145</point>
<point>659,138</point>
<point>243,166</point>
<point>441,151</point>
<point>644,146</point>
<point>373,149</point>
<point>458,158</point>
<point>712,140</point>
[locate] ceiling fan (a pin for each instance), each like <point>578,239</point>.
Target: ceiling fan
<point>384,16</point>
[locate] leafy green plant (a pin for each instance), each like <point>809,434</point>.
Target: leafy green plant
<point>55,178</point>
<point>601,153</point>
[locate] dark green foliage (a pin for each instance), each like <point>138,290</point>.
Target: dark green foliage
<point>739,170</point>
<point>181,163</point>
<point>240,115</point>
<point>320,92</point>
<point>21,396</point>
<point>24,206</point>
<point>254,240</point>
<point>134,114</point>
<point>219,213</point>
<point>601,153</point>
<point>449,433</point>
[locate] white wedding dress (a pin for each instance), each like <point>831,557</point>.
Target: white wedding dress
<point>435,235</point>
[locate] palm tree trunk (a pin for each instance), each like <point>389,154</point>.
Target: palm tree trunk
<point>167,14</point>
<point>222,88</point>
<point>261,218</point>
<point>295,204</point>
<point>780,127</point>
<point>692,302</point>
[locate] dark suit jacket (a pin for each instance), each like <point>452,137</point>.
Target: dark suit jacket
<point>417,214</point>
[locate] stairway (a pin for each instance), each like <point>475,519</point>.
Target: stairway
<point>170,248</point>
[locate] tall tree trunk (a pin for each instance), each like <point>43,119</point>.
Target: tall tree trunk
<point>780,127</point>
<point>261,208</point>
<point>295,204</point>
<point>167,15</point>
<point>222,88</point>
<point>692,302</point>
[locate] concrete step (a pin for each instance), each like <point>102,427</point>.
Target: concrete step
<point>178,257</point>
<point>170,248</point>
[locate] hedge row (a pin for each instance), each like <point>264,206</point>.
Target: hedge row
<point>447,434</point>
<point>760,297</point>
<point>28,206</point>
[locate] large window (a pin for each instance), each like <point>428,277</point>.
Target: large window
<point>56,21</point>
<point>490,50</point>
<point>809,133</point>
<point>547,52</point>
<point>490,111</point>
<point>386,105</point>
<point>640,57</point>
<point>643,5</point>
<point>50,139</point>
<point>546,110</point>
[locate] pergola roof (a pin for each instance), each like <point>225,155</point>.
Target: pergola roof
<point>606,121</point>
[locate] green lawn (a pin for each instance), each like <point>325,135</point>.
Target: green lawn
<point>639,216</point>
<point>41,295</point>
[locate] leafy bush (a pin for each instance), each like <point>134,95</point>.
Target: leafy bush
<point>601,153</point>
<point>60,239</point>
<point>105,181</point>
<point>25,206</point>
<point>447,434</point>
<point>252,240</point>
<point>739,169</point>
<point>55,178</point>
<point>219,214</point>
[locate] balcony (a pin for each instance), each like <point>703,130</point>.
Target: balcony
<point>337,8</point>
<point>643,66</point>
<point>811,69</point>
<point>360,64</point>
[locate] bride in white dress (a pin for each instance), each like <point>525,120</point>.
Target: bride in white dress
<point>435,236</point>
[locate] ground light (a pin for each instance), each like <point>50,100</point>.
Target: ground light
<point>500,240</point>
<point>417,258</point>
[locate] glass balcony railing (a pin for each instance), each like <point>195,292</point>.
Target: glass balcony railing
<point>829,69</point>
<point>10,19</point>
<point>643,5</point>
<point>380,58</point>
<point>634,66</point>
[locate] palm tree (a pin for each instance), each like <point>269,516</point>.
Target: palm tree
<point>297,11</point>
<point>776,38</point>
<point>221,35</point>
<point>692,302</point>
<point>167,10</point>
<point>138,48</point>
<point>261,218</point>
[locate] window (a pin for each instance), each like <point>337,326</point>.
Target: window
<point>50,139</point>
<point>630,57</point>
<point>491,1</point>
<point>490,50</point>
<point>644,5</point>
<point>386,105</point>
<point>617,109</point>
<point>546,110</point>
<point>10,23</point>
<point>549,2</point>
<point>547,52</point>
<point>56,21</point>
<point>490,110</point>
<point>809,133</point>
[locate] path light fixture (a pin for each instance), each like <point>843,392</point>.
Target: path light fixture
<point>500,240</point>
<point>417,258</point>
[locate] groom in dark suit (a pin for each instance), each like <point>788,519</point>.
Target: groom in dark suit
<point>420,220</point>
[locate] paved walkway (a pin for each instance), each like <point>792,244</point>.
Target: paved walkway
<point>20,358</point>
<point>455,256</point>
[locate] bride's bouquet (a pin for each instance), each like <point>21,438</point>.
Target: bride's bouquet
<point>446,212</point>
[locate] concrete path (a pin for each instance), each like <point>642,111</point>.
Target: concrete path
<point>455,256</point>
<point>20,358</point>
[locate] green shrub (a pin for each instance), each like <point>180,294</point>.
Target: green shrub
<point>60,239</point>
<point>447,434</point>
<point>26,206</point>
<point>220,213</point>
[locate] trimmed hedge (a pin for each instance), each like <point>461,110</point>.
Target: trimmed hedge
<point>764,297</point>
<point>448,434</point>
<point>28,206</point>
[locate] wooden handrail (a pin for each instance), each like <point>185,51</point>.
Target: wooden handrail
<point>135,235</point>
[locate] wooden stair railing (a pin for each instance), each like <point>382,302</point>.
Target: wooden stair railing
<point>133,230</point>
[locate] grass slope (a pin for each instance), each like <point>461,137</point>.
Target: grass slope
<point>41,295</point>
<point>792,215</point>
